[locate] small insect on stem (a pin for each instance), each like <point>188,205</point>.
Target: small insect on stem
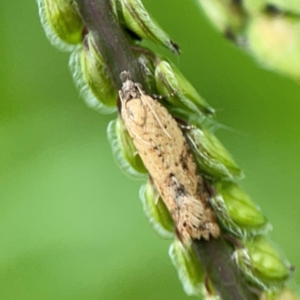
<point>165,153</point>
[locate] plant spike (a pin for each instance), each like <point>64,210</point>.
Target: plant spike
<point>241,252</point>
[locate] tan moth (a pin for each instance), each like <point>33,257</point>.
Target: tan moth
<point>165,153</point>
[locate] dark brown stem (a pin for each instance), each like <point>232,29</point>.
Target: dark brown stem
<point>110,40</point>
<point>215,255</point>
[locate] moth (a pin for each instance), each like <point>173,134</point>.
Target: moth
<point>165,153</point>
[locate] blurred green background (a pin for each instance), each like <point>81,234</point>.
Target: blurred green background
<point>71,224</point>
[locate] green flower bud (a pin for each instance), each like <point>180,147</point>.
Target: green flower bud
<point>156,211</point>
<point>211,157</point>
<point>179,91</point>
<point>91,78</point>
<point>227,16</point>
<point>275,41</point>
<point>189,270</point>
<point>262,264</point>
<point>61,22</point>
<point>124,151</point>
<point>237,212</point>
<point>138,20</point>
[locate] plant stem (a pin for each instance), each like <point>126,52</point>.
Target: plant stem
<point>215,255</point>
<point>110,40</point>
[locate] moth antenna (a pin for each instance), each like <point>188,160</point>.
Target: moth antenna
<point>121,98</point>
<point>154,113</point>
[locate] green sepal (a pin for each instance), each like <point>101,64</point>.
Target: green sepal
<point>91,78</point>
<point>275,41</point>
<point>138,20</point>
<point>237,213</point>
<point>156,211</point>
<point>211,157</point>
<point>189,270</point>
<point>61,22</point>
<point>179,92</point>
<point>124,150</point>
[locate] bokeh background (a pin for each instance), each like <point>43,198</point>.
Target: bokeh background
<point>71,224</point>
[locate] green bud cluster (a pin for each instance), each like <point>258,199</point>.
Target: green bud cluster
<point>263,267</point>
<point>267,29</point>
